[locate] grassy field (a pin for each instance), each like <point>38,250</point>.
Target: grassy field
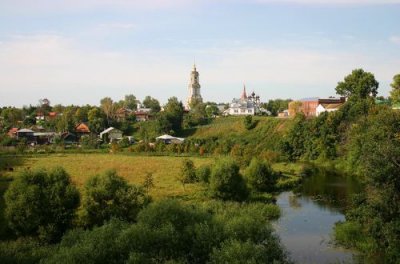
<point>133,168</point>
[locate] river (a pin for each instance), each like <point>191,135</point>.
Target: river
<point>309,214</point>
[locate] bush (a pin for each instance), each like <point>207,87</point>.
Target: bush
<point>237,252</point>
<point>110,196</point>
<point>260,175</point>
<point>226,183</point>
<point>188,172</point>
<point>41,203</point>
<point>203,173</point>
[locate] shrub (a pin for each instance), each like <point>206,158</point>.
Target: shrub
<point>41,203</point>
<point>260,175</point>
<point>109,195</point>
<point>226,183</point>
<point>203,173</point>
<point>188,172</point>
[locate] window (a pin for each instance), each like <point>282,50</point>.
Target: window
<point>250,111</point>
<point>243,110</point>
<point>236,111</point>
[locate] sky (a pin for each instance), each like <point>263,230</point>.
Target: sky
<point>78,52</point>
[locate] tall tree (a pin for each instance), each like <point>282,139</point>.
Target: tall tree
<point>174,113</point>
<point>130,102</point>
<point>395,93</point>
<point>108,107</point>
<point>358,85</point>
<point>152,103</point>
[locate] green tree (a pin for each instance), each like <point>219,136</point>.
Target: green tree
<point>96,120</point>
<point>41,203</point>
<point>173,111</point>
<point>188,172</point>
<point>226,183</point>
<point>358,85</point>
<point>110,196</point>
<point>260,175</point>
<point>109,108</point>
<point>130,102</point>
<point>152,103</point>
<point>395,93</point>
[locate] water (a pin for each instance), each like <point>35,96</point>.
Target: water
<point>308,217</point>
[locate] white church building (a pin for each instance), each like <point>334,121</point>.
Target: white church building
<point>245,105</point>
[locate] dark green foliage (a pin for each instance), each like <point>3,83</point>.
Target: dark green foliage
<point>24,251</point>
<point>238,252</point>
<point>152,103</point>
<point>226,183</point>
<point>277,105</point>
<point>260,175</point>
<point>171,232</point>
<point>188,172</point>
<point>248,122</point>
<point>173,113</point>
<point>203,173</point>
<point>41,203</point>
<point>374,152</point>
<point>359,84</point>
<point>110,196</point>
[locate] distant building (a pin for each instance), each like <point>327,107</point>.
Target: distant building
<point>245,105</point>
<point>327,108</point>
<point>194,88</point>
<point>283,114</point>
<point>82,129</point>
<point>308,106</point>
<point>111,134</point>
<point>167,139</point>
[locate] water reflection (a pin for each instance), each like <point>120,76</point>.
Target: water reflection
<point>309,214</point>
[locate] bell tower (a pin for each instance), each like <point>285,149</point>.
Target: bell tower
<point>194,88</point>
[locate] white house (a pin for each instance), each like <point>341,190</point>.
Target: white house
<point>327,108</point>
<point>111,134</point>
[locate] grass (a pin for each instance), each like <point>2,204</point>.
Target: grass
<point>133,168</point>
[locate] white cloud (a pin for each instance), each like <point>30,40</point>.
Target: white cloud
<point>395,39</point>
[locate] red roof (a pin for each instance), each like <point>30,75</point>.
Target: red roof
<point>82,128</point>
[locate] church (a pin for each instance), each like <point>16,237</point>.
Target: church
<point>194,89</point>
<point>245,105</point>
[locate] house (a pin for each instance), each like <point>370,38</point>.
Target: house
<point>69,138</point>
<point>245,105</point>
<point>308,106</point>
<point>111,134</point>
<point>82,129</point>
<point>27,134</point>
<point>124,113</point>
<point>143,114</point>
<point>44,137</point>
<point>167,139</point>
<point>283,114</point>
<point>327,108</point>
<point>52,115</point>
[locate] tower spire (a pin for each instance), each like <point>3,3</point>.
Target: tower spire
<point>244,95</point>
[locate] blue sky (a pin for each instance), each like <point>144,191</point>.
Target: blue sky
<point>77,53</point>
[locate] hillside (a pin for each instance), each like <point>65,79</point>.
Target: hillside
<point>226,132</point>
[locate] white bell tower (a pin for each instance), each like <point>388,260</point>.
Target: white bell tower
<point>194,88</point>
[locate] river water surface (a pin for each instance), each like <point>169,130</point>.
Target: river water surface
<point>308,217</point>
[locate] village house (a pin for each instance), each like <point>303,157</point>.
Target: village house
<point>111,134</point>
<point>327,108</point>
<point>123,113</point>
<point>81,130</point>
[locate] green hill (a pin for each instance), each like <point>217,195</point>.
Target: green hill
<point>228,135</point>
